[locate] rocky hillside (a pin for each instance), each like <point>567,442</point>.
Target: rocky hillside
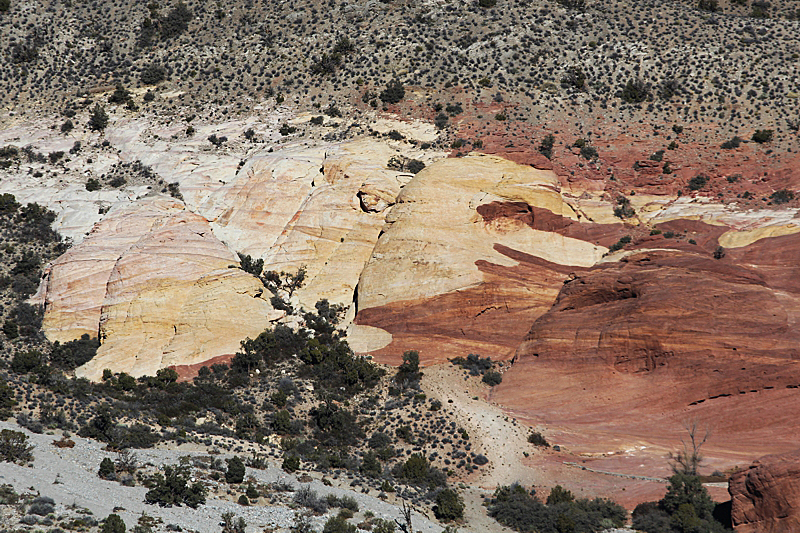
<point>602,195</point>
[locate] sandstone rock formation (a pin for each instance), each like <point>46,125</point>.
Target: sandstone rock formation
<point>155,284</point>
<point>320,208</point>
<point>765,497</point>
<point>665,335</point>
<point>474,248</point>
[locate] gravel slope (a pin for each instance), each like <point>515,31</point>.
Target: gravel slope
<point>78,483</point>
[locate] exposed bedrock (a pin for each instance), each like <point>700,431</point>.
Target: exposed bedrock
<point>765,498</point>
<point>665,335</point>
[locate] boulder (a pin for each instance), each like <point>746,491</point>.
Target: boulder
<point>765,498</point>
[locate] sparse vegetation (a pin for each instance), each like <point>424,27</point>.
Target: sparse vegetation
<point>174,488</point>
<point>624,208</point>
<point>98,120</point>
<point>516,508</point>
<point>393,93</point>
<point>14,447</point>
<point>763,136</point>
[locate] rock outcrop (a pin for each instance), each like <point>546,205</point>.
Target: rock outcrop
<point>765,498</point>
<point>154,284</point>
<point>666,335</point>
<point>474,248</point>
<point>320,208</point>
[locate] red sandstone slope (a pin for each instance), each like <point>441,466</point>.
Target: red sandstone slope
<point>635,347</point>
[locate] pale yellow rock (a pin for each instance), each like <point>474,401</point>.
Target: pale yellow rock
<point>365,339</point>
<point>301,207</point>
<point>155,284</point>
<point>737,239</point>
<point>434,234</point>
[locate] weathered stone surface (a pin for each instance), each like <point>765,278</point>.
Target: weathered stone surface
<point>765,497</point>
<point>666,335</point>
<point>318,208</point>
<point>474,247</point>
<point>153,282</point>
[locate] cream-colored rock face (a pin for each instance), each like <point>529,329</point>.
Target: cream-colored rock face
<point>155,284</point>
<point>434,234</point>
<point>303,207</point>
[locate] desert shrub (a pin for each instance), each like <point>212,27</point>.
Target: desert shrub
<point>371,465</point>
<point>379,525</point>
<point>42,506</point>
<point>589,152</point>
<point>217,141</point>
<point>414,166</point>
<point>24,362</point>
<point>454,109</point>
<point>487,3</point>
<point>559,494</point>
<point>782,196</point>
<point>67,126</point>
<point>546,146</point>
<point>393,93</point>
<point>697,183</point>
<point>480,460</point>
<point>449,505</point>
<point>648,517</point>
<point>574,77</point>
<point>344,502</point>
<point>685,507</point>
<point>107,469</point>
<point>335,426</point>
<point>416,470</point>
<point>620,244</point>
<point>7,495</point>
<point>708,5</point>
<point>291,463</point>
<point>624,208</point>
<point>763,136</point>
<point>14,447</point>
<point>236,470</point>
<point>113,524</point>
<point>10,329</point>
<point>286,129</point>
<point>408,372</point>
<point>153,74</point>
<point>7,400</point>
<point>173,488</point>
<point>669,88</point>
<point>98,120</point>
<point>119,96</point>
<point>250,265</point>
<point>731,144</point>
<point>93,185</point>
<point>309,498</point>
<point>580,5</point>
<point>514,507</point>
<point>492,378</point>
<point>5,5</point>
<point>537,439</point>
<point>338,524</point>
<point>474,363</point>
<point>635,91</point>
<point>73,354</point>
